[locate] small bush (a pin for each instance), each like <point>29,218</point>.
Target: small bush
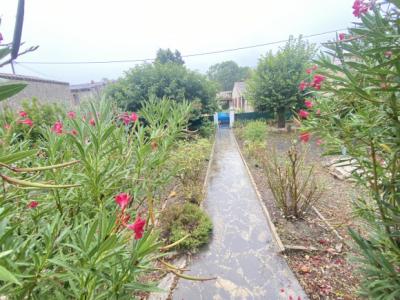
<point>189,160</point>
<point>255,131</point>
<point>180,220</point>
<point>207,129</point>
<point>291,181</point>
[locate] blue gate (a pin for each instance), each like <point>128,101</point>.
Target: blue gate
<point>223,118</point>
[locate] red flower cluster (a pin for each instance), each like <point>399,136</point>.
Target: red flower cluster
<point>361,7</point>
<point>57,127</point>
<point>123,199</point>
<point>92,122</point>
<point>317,81</point>
<point>308,104</point>
<point>26,120</point>
<point>342,36</point>
<point>137,227</point>
<point>303,114</point>
<point>305,137</point>
<point>33,204</point>
<point>127,119</point>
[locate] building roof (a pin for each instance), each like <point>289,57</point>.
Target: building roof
<point>240,87</point>
<point>29,78</point>
<point>225,95</point>
<point>89,86</point>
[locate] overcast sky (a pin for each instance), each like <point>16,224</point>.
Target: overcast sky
<point>98,30</point>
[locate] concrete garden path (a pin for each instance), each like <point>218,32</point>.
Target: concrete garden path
<point>242,254</point>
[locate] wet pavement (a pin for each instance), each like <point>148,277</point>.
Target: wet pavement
<point>242,254</point>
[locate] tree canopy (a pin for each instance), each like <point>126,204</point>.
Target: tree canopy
<point>167,56</point>
<point>273,86</point>
<point>227,73</point>
<point>172,80</point>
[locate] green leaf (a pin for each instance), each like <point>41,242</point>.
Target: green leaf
<point>11,158</point>
<point>9,90</point>
<point>6,275</point>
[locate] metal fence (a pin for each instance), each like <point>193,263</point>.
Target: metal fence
<point>249,116</point>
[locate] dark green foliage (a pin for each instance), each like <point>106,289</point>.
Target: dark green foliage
<point>180,220</point>
<point>273,86</point>
<point>227,73</point>
<point>165,56</point>
<point>170,80</point>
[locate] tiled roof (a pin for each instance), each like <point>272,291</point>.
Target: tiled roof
<point>29,78</point>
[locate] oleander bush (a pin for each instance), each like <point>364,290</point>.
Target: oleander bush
<point>354,103</point>
<point>77,207</point>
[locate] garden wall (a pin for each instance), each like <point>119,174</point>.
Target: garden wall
<point>46,91</point>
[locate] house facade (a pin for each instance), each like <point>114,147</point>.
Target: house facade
<point>87,90</point>
<point>239,102</point>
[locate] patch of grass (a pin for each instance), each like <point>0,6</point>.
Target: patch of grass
<point>180,220</point>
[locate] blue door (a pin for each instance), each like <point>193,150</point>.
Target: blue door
<point>223,118</point>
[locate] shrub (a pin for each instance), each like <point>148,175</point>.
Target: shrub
<point>189,162</point>
<point>291,182</point>
<point>255,131</point>
<point>178,220</point>
<point>357,107</point>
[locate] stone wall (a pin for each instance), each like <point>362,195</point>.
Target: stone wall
<point>46,91</point>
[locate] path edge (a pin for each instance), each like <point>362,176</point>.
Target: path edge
<point>271,225</point>
<point>174,281</point>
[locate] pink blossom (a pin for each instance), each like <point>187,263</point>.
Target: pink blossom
<point>133,117</point>
<point>7,126</point>
<point>27,121</point>
<point>71,115</point>
<point>92,122</point>
<point>122,199</point>
<point>318,112</point>
<point>305,137</point>
<point>360,7</point>
<point>138,227</point>
<point>23,114</point>
<point>74,132</point>
<point>33,204</point>
<point>302,86</point>
<point>303,114</point>
<point>309,71</point>
<point>57,127</point>
<point>319,142</point>
<point>342,36</point>
<point>308,104</point>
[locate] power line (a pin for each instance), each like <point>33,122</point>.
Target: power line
<point>187,55</point>
<point>34,71</point>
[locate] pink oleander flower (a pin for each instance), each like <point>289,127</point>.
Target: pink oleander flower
<point>317,81</point>
<point>27,121</point>
<point>361,7</point>
<point>138,227</point>
<point>23,114</point>
<point>57,127</point>
<point>388,54</point>
<point>305,137</point>
<point>303,114</point>
<point>74,132</point>
<point>133,117</point>
<point>309,71</point>
<point>92,122</point>
<point>318,112</point>
<point>71,115</point>
<point>308,103</point>
<point>7,126</point>
<point>122,199</point>
<point>342,36</point>
<point>302,86</point>
<point>33,204</point>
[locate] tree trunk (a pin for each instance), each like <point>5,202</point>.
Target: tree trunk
<point>281,117</point>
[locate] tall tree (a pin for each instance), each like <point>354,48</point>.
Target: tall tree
<point>167,56</point>
<point>227,73</point>
<point>274,84</point>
